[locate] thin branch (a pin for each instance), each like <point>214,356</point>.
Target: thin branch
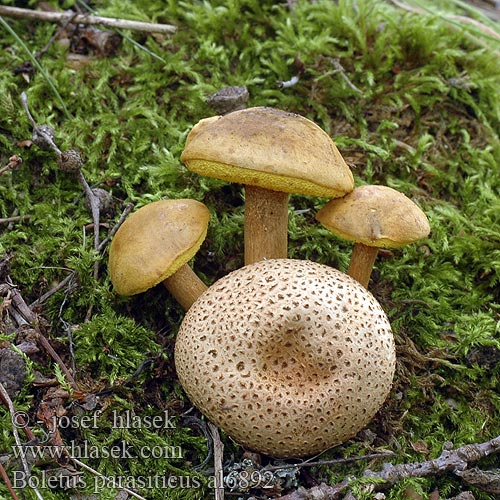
<point>109,22</point>
<point>20,305</point>
<point>24,101</point>
<point>19,309</point>
<point>449,461</point>
<point>218,456</point>
<point>53,354</point>
<point>8,483</point>
<point>336,461</point>
<point>54,290</point>
<point>42,134</point>
<point>69,161</point>
<point>18,218</point>
<point>84,5</point>
<point>94,207</point>
<point>454,461</point>
<point>106,479</point>
<point>489,32</point>
<point>457,21</point>
<point>14,163</point>
<point>128,208</point>
<point>340,69</point>
<point>485,29</point>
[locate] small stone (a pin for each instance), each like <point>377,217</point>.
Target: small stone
<point>12,371</point>
<point>229,99</point>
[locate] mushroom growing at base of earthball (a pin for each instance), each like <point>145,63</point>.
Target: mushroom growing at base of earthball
<point>373,217</point>
<point>155,244</point>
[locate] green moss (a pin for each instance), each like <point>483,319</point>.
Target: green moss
<point>112,345</point>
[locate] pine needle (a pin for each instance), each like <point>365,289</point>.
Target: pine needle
<point>38,66</point>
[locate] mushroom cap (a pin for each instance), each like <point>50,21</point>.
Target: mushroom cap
<point>268,148</point>
<point>376,216</point>
<point>154,242</point>
<point>288,357</point>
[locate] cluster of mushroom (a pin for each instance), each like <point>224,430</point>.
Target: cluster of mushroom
<point>289,357</point>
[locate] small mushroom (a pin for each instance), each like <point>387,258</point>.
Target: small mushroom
<point>273,153</point>
<point>288,357</point>
<point>373,217</point>
<point>155,244</point>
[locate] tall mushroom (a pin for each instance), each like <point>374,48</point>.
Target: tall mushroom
<point>273,153</point>
<point>289,357</point>
<point>155,244</point>
<point>373,217</point>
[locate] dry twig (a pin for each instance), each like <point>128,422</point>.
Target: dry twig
<point>65,17</point>
<point>24,315</point>
<point>8,483</point>
<point>8,402</point>
<point>54,290</point>
<point>94,207</point>
<point>18,218</point>
<point>68,161</point>
<point>455,461</point>
<point>218,455</point>
<point>128,208</point>
<point>340,69</point>
<point>106,479</point>
<point>336,461</point>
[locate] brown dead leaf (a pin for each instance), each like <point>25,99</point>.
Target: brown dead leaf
<point>420,447</point>
<point>26,143</point>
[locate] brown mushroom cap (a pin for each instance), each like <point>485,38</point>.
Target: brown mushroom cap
<point>268,148</point>
<point>376,216</point>
<point>154,242</point>
<point>289,357</point>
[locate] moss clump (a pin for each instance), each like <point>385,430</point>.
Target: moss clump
<point>412,102</point>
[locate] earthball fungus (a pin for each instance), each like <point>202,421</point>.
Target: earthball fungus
<point>155,244</point>
<point>273,153</point>
<point>288,357</point>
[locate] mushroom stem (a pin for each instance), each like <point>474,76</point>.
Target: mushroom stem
<point>361,264</point>
<point>266,224</point>
<point>185,286</point>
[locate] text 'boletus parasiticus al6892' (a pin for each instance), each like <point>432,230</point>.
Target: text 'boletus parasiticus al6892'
<point>155,244</point>
<point>289,357</point>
